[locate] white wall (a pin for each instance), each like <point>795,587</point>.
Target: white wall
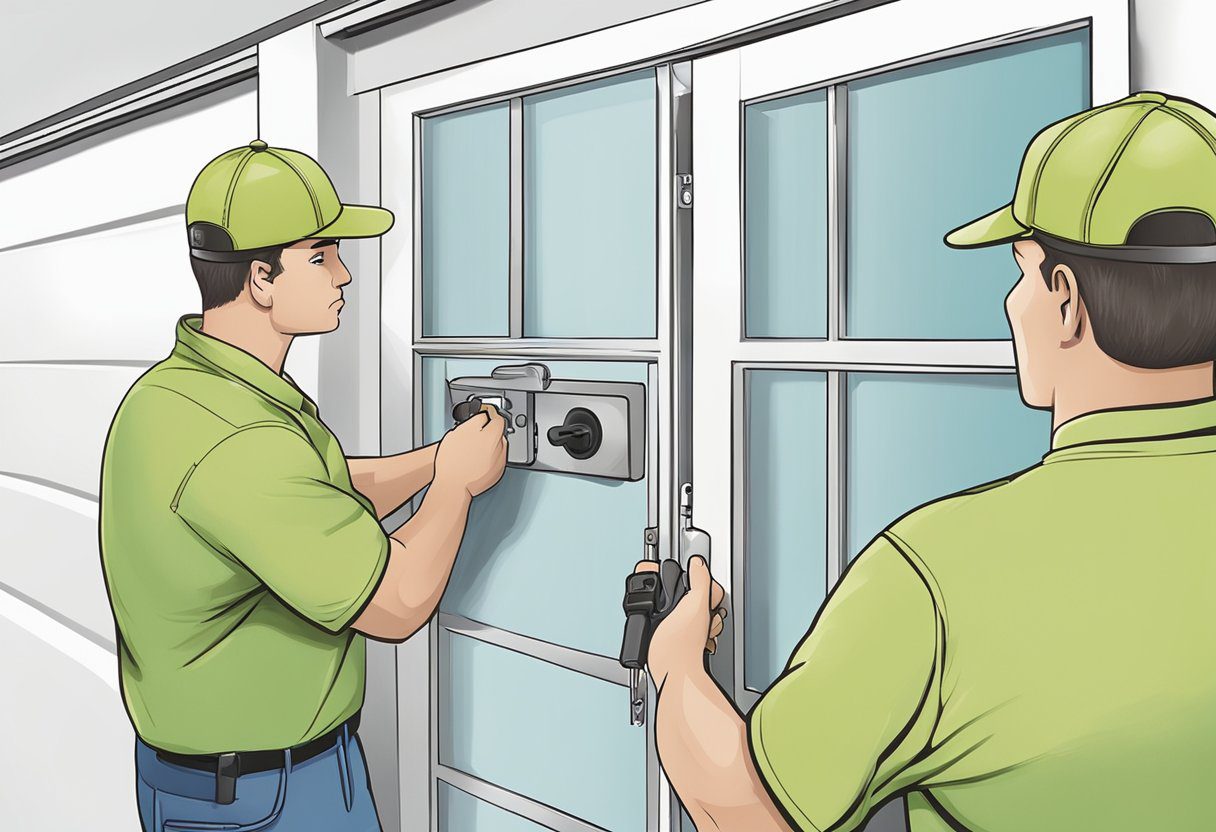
<point>94,274</point>
<point>1172,48</point>
<point>47,46</point>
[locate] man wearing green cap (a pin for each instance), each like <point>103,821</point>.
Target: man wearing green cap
<point>1037,653</point>
<point>243,552</point>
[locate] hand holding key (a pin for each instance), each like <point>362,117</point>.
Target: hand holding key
<point>474,453</point>
<point>685,630</point>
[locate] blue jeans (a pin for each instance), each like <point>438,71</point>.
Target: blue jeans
<point>329,792</point>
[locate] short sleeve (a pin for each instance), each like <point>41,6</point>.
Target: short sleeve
<point>857,701</point>
<point>262,497</point>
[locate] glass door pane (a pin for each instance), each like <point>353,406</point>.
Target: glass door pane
<point>466,211</point>
<point>934,146</point>
<point>786,216</point>
<point>590,210</point>
<point>786,516</point>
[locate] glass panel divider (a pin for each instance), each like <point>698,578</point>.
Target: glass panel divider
<point>837,420</point>
<point>510,801</point>
<point>838,145</point>
<point>604,668</point>
<point>516,302</point>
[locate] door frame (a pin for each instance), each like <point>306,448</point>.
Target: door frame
<point>402,111</point>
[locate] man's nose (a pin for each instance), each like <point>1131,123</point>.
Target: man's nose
<point>341,275</point>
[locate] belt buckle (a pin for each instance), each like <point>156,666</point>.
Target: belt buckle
<point>227,770</point>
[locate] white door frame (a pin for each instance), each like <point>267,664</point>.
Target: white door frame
<point>401,112</point>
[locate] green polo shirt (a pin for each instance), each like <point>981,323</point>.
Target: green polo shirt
<point>1034,654</point>
<point>236,554</point>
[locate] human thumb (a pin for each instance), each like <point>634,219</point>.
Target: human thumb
<point>699,581</point>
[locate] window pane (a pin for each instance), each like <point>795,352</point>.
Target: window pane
<point>529,535</point>
<point>787,220</point>
<point>933,147</point>
<point>461,812</point>
<point>786,516</point>
<point>550,734</point>
<point>589,210</point>
<point>466,214</point>
<point>916,437</point>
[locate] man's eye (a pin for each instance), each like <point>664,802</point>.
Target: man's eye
<point>317,259</point>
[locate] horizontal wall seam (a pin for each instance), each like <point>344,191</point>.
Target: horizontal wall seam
<point>73,499</point>
<point>50,612</point>
<point>111,225</point>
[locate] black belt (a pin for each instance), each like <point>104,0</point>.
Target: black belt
<point>228,767</point>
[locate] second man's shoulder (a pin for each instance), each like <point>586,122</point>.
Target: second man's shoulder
<point>966,521</point>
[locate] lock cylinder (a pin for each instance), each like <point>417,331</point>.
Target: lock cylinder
<point>581,434</point>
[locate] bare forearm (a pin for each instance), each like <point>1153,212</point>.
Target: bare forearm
<point>421,554</point>
<point>390,481</point>
<point>702,743</point>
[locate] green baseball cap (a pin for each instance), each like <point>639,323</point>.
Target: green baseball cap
<point>1086,181</point>
<point>258,197</point>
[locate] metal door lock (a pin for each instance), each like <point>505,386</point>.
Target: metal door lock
<point>593,428</point>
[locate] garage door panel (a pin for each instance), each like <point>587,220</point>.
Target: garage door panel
<point>111,295</point>
<point>61,414</point>
<point>71,731</point>
<point>50,554</point>
<point>132,170</point>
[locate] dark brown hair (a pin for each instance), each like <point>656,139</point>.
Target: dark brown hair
<point>221,283</point>
<point>1150,315</point>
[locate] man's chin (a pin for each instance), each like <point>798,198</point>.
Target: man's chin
<point>318,329</point>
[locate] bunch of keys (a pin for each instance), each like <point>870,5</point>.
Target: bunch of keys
<point>466,410</point>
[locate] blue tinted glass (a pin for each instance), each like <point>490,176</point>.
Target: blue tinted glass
<point>461,812</point>
<point>913,438</point>
<point>589,210</point>
<point>466,214</point>
<point>544,554</point>
<point>931,148</point>
<point>550,734</point>
<point>787,217</point>
<point>786,516</point>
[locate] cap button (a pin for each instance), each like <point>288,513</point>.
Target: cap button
<point>257,145</point>
<point>1155,97</point>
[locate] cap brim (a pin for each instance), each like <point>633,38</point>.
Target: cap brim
<point>358,221</point>
<point>998,227</point>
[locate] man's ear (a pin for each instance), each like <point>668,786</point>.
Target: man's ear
<point>1072,309</point>
<point>261,287</point>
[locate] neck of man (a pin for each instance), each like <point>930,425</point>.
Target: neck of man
<point>1110,385</point>
<point>247,326</point>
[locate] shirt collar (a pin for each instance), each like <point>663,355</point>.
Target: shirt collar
<point>193,343</point>
<point>1151,422</point>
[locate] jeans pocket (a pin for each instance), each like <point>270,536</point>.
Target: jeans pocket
<point>259,803</point>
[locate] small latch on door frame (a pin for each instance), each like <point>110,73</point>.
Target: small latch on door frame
<point>637,681</point>
<point>683,190</point>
